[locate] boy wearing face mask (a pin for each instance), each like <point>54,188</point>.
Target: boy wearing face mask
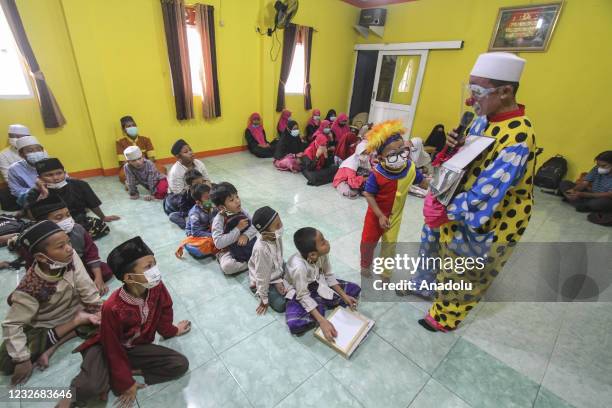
<point>386,190</point>
<point>133,138</point>
<point>77,194</point>
<point>594,193</point>
<point>131,317</point>
<point>53,208</point>
<point>233,234</point>
<point>316,287</point>
<point>199,242</point>
<point>10,154</point>
<point>54,298</point>
<point>141,171</point>
<point>22,175</point>
<point>267,266</point>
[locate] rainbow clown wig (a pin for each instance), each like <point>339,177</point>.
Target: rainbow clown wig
<point>384,133</point>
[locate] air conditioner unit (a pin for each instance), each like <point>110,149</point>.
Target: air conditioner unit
<point>372,20</point>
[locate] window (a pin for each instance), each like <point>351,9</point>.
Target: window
<point>295,83</point>
<point>194,44</point>
<point>14,82</point>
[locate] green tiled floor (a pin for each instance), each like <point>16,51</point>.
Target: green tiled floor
<point>505,354</point>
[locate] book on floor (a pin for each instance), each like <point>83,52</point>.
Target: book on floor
<point>352,328</point>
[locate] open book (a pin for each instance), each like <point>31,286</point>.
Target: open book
<point>352,329</point>
<point>447,177</point>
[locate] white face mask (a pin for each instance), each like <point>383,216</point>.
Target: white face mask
<point>603,171</point>
<point>153,277</point>
<point>67,225</point>
<point>56,186</point>
<point>332,118</point>
<point>295,132</point>
<point>327,131</point>
<point>398,164</point>
<point>13,142</point>
<point>53,264</point>
<point>364,162</point>
<point>316,117</point>
<point>35,157</point>
<point>279,233</point>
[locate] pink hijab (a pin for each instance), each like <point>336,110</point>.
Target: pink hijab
<point>312,121</point>
<point>257,132</point>
<point>318,139</point>
<point>282,122</point>
<point>338,130</point>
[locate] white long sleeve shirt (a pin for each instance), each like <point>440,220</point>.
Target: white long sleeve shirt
<point>301,273</point>
<point>176,176</point>
<point>267,266</point>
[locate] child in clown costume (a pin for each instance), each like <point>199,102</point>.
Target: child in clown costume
<point>386,190</point>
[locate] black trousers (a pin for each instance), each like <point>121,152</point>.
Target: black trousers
<point>586,204</point>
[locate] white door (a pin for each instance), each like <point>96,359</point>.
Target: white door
<point>397,84</point>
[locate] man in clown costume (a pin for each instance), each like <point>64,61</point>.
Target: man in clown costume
<point>492,208</point>
<point>386,190</point>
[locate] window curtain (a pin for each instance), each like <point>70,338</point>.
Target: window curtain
<point>205,24</point>
<point>305,37</point>
<point>50,110</point>
<point>178,55</point>
<point>289,41</point>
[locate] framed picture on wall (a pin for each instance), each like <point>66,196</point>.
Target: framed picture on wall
<point>525,28</point>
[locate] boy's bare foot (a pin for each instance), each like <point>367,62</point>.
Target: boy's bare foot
<point>280,288</point>
<point>43,360</point>
<point>366,272</point>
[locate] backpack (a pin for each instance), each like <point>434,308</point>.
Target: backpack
<point>12,225</point>
<point>550,174</point>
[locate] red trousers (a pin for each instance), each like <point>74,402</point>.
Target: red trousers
<point>369,238</point>
<point>161,189</point>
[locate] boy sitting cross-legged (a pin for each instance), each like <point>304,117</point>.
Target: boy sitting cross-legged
<point>199,242</point>
<point>55,297</point>
<point>317,289</point>
<point>232,232</point>
<point>130,318</point>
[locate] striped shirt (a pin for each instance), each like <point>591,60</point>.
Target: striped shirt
<point>147,176</point>
<point>600,183</point>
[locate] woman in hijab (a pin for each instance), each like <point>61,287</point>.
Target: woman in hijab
<point>317,163</point>
<point>313,124</point>
<point>285,117</point>
<point>436,140</point>
<point>352,174</point>
<point>290,148</point>
<point>256,137</point>
<point>331,115</point>
<point>421,160</point>
<point>345,139</point>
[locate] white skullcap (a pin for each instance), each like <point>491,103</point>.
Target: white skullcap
<point>502,66</point>
<point>18,129</point>
<point>132,153</point>
<point>27,141</point>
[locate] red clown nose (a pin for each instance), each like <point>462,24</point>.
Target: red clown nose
<point>470,101</point>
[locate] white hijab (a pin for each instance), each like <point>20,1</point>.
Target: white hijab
<point>352,162</point>
<point>418,155</point>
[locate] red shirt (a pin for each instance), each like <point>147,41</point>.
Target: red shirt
<point>128,321</point>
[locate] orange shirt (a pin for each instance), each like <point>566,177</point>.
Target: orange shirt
<point>148,151</point>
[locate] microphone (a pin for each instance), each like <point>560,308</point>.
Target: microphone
<point>466,119</point>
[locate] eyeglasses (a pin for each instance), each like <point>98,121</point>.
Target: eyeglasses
<point>394,156</point>
<point>478,91</point>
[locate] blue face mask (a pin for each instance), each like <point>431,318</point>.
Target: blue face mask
<point>295,132</point>
<point>255,126</point>
<point>132,131</point>
<point>34,157</point>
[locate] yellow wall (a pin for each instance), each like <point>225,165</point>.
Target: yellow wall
<point>54,53</point>
<point>108,58</point>
<point>565,89</point>
<point>331,64</point>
